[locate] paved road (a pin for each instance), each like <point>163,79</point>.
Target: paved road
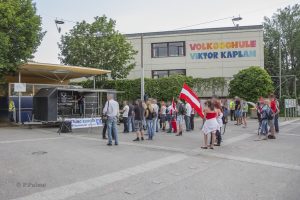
<point>39,164</point>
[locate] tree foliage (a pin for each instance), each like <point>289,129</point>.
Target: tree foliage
<point>284,26</point>
<point>20,33</point>
<point>251,83</point>
<point>98,45</point>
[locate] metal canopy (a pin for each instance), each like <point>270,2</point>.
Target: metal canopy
<point>53,73</point>
<point>89,90</point>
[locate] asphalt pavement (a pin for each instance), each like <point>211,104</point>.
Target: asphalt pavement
<point>39,164</point>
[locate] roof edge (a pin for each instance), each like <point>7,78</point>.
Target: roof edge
<point>250,27</point>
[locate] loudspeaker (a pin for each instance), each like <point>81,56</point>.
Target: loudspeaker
<point>45,104</point>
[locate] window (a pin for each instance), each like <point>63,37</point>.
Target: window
<point>168,49</point>
<point>160,50</point>
<point>167,73</point>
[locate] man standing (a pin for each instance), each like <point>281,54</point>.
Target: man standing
<point>192,119</point>
<point>125,116</point>
<point>111,110</point>
<point>80,102</point>
<point>232,108</point>
<point>11,110</point>
<point>187,116</point>
<point>275,109</point>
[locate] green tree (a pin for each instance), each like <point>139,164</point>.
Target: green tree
<point>284,26</point>
<point>20,33</point>
<point>98,45</point>
<point>251,83</point>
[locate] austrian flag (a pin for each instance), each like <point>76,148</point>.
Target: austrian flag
<point>190,96</point>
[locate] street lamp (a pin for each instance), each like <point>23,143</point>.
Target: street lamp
<point>236,19</point>
<point>57,23</point>
<point>142,68</point>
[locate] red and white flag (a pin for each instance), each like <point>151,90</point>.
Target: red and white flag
<point>190,96</point>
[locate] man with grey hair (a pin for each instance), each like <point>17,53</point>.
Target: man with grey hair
<point>111,110</point>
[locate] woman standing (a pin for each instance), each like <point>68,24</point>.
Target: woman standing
<point>210,125</point>
<point>244,113</point>
<point>149,119</point>
<point>163,114</point>
<point>218,109</point>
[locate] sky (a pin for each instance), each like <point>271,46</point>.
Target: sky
<point>137,16</point>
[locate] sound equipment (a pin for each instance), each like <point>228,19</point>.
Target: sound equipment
<point>45,104</point>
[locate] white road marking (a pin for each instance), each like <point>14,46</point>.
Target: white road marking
<point>80,187</point>
<point>29,140</point>
<point>289,134</point>
<point>287,122</point>
<point>236,139</point>
<point>250,160</point>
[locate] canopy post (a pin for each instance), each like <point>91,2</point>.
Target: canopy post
<point>19,94</point>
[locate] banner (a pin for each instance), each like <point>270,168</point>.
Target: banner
<point>290,103</point>
<point>19,87</point>
<point>85,122</point>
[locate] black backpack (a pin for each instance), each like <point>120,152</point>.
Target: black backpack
<point>270,114</point>
<point>182,109</point>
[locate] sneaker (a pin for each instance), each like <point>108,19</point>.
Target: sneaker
<point>109,144</point>
<point>271,137</point>
<point>137,139</point>
<point>142,138</point>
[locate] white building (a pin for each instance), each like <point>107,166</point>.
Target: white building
<point>213,52</point>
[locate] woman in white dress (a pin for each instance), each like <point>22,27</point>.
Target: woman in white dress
<point>211,124</point>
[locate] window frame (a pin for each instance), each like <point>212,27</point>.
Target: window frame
<point>168,49</point>
<point>168,70</point>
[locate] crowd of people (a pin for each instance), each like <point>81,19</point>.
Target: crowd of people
<point>150,116</point>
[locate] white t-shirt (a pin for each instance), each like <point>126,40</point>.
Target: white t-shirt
<point>111,109</point>
<point>155,108</point>
<point>188,108</point>
<point>125,111</point>
<point>163,110</point>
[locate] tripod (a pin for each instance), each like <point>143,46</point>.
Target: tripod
<point>64,125</point>
<point>92,119</point>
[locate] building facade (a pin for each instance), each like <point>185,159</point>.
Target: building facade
<point>205,53</point>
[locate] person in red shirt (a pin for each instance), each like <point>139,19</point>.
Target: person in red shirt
<point>275,109</point>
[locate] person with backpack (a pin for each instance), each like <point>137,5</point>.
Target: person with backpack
<point>149,116</point>
<point>181,111</point>
<point>266,115</point>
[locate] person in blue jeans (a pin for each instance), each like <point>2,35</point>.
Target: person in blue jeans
<point>111,110</point>
<point>149,119</point>
<point>130,120</point>
<point>112,130</point>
